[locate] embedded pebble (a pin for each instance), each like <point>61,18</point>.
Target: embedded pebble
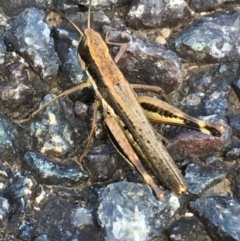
<point>200,177</point>
<point>27,232</point>
<point>43,237</point>
<point>4,208</point>
<point>21,187</point>
<point>2,51</point>
<point>102,3</point>
<point>81,216</point>
<point>165,32</point>
<point>160,40</point>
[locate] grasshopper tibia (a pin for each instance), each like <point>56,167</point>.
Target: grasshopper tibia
<point>94,124</point>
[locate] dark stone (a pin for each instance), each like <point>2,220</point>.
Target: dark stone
<point>52,172</point>
<point>212,39</point>
<point>102,4</point>
<point>23,34</point>
<point>206,5</point>
<point>145,14</point>
<point>27,232</point>
<point>56,214</point>
<point>236,87</point>
<point>153,63</point>
<point>201,177</point>
<point>235,178</point>
<point>101,162</point>
<point>235,124</point>
<point>221,215</point>
<point>188,229</point>
<point>43,237</point>
<point>184,144</point>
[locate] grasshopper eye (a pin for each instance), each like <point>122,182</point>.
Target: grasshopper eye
<point>83,46</point>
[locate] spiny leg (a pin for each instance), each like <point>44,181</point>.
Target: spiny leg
<point>93,127</point>
<point>64,94</point>
<point>159,111</point>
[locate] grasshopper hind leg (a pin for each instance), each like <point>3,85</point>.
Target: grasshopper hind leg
<point>153,89</point>
<point>121,143</point>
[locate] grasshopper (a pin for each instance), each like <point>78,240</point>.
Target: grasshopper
<point>126,115</point>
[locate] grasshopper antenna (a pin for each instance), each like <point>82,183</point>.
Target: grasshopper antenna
<point>89,13</point>
<point>72,23</point>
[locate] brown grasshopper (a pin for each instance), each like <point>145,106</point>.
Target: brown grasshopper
<point>126,115</point>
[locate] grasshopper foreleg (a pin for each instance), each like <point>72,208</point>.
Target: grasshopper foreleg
<point>64,94</point>
<point>93,127</point>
